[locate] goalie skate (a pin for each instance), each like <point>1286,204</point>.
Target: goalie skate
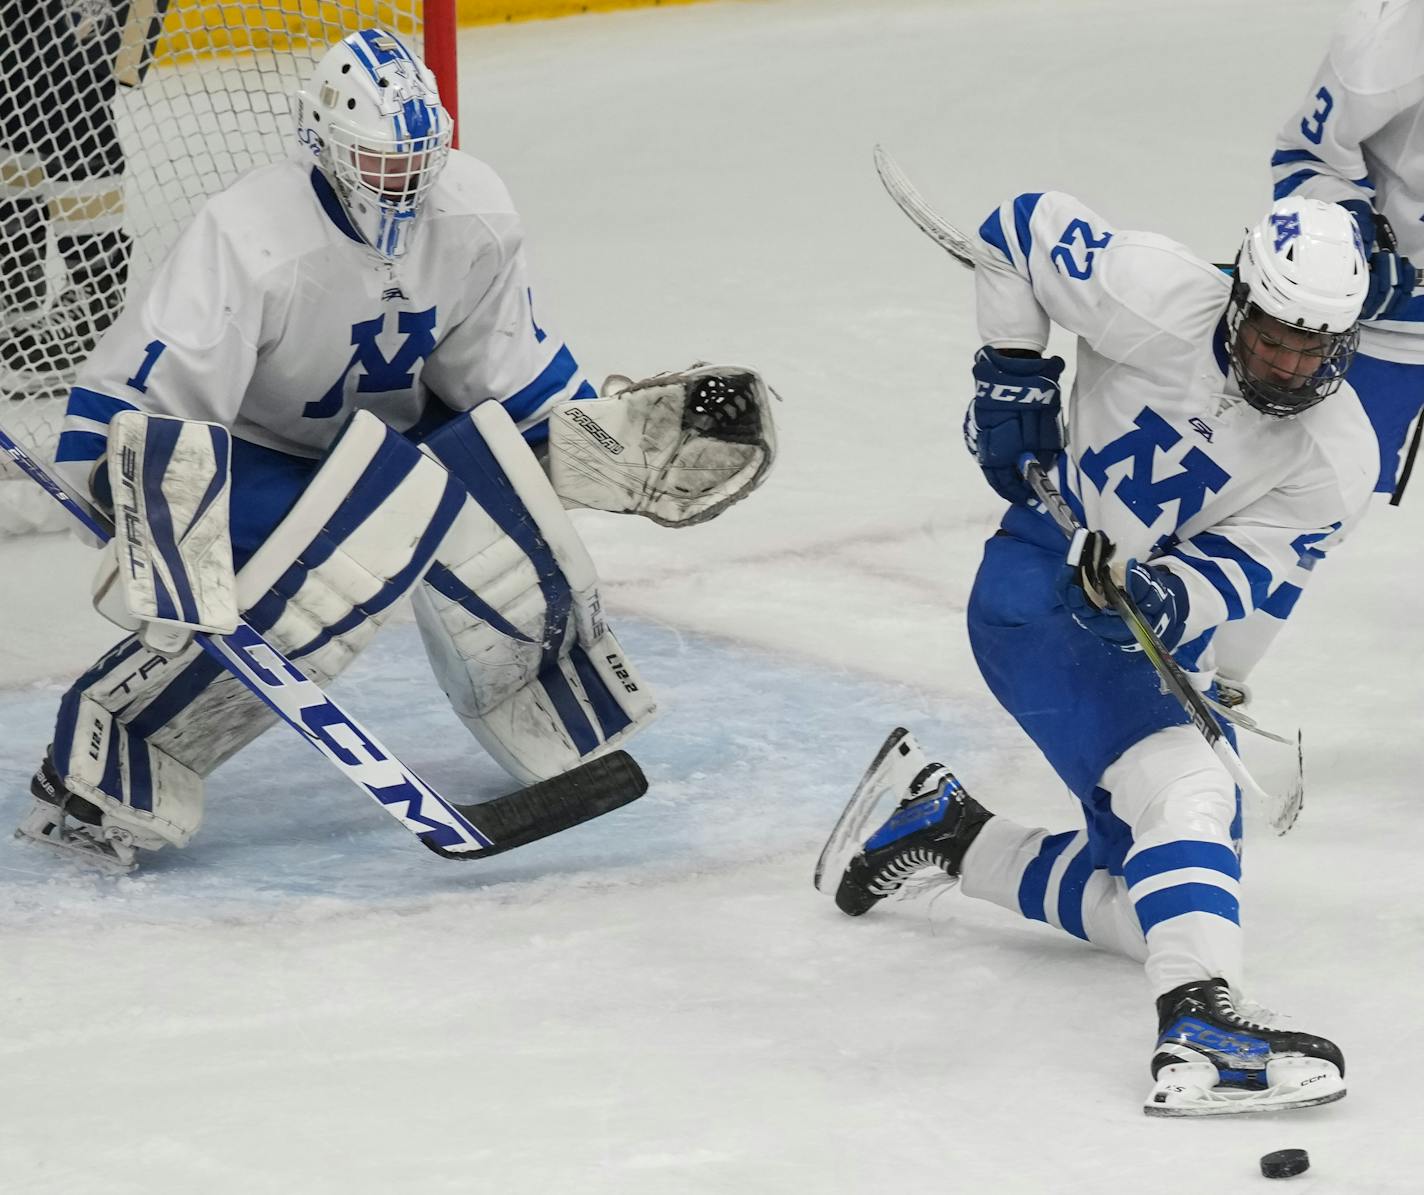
<point>73,827</point>
<point>1212,1061</point>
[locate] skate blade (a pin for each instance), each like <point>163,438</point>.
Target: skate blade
<point>85,852</point>
<point>849,832</point>
<point>1180,1100</point>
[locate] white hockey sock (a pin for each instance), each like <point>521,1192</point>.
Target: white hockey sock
<point>1050,877</point>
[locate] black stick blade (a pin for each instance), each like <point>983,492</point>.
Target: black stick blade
<point>578,795</point>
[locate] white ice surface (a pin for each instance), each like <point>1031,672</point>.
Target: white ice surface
<point>307,1002</point>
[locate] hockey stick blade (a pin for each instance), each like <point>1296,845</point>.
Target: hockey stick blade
<point>941,231</point>
<point>1281,810</point>
<point>579,795</point>
<point>925,218</point>
<point>346,744</point>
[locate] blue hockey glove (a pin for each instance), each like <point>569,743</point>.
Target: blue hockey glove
<point>1157,593</point>
<point>1392,281</point>
<point>1016,409</point>
<point>1392,275</point>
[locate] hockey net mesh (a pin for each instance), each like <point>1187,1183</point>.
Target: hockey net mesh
<point>120,117</point>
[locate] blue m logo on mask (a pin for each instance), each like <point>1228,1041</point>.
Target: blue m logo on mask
<point>378,374</point>
<point>1145,496</point>
<point>1287,226</point>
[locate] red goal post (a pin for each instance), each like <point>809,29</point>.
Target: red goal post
<point>118,120</point>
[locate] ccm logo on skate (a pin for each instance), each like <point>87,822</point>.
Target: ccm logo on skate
<point>594,430</point>
<point>621,672</point>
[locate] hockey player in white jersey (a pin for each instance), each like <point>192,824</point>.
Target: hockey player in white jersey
<point>1355,139</point>
<point>336,392</point>
<point>1212,445</point>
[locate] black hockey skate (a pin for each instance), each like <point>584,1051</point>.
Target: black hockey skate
<point>68,823</point>
<point>932,827</point>
<point>1212,1061</point>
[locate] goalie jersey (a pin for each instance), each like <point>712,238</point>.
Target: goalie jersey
<point>271,317</point>
<point>1164,456</point>
<point>1358,135</point>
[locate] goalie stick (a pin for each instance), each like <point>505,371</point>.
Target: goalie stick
<point>1281,810</point>
<point>450,830</point>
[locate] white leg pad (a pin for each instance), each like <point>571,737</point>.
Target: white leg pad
<point>510,613</point>
<point>140,731</point>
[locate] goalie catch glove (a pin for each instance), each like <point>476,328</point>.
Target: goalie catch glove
<point>677,448</point>
<point>1157,593</point>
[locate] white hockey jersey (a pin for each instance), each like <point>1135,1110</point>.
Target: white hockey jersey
<point>1359,135</point>
<point>1164,456</point>
<point>272,317</point>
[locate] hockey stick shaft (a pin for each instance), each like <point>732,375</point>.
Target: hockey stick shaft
<point>450,830</point>
<point>1281,813</point>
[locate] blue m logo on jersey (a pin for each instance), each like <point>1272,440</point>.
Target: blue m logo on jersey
<point>377,373</point>
<point>1140,492</point>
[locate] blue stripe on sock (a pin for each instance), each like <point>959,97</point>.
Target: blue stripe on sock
<point>1070,893</point>
<point>1033,887</point>
<point>1163,905</point>
<point>1174,856</point>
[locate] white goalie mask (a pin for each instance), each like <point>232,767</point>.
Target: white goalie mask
<point>1293,318</point>
<point>371,114</point>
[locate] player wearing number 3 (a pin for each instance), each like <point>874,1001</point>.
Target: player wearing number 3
<point>1211,448</point>
<point>335,393</point>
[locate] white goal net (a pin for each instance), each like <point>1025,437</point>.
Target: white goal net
<point>119,118</point>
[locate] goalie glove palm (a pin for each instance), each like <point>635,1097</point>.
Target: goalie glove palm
<point>678,448</point>
<point>1158,594</point>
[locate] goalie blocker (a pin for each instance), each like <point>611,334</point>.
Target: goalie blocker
<point>509,613</point>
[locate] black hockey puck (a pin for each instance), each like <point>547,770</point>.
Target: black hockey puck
<point>1284,1163</point>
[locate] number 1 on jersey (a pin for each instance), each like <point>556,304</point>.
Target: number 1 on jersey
<point>152,351</point>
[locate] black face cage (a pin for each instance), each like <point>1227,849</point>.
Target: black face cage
<point>1302,390</point>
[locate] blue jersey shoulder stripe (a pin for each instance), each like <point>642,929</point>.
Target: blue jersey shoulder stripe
<point>1023,213</point>
<point>992,233</point>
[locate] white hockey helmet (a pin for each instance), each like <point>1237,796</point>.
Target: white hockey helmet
<point>371,115</point>
<point>1293,318</point>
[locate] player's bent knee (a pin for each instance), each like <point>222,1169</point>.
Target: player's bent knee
<point>1172,781</point>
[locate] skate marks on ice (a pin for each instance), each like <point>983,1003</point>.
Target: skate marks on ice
<point>753,757</point>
